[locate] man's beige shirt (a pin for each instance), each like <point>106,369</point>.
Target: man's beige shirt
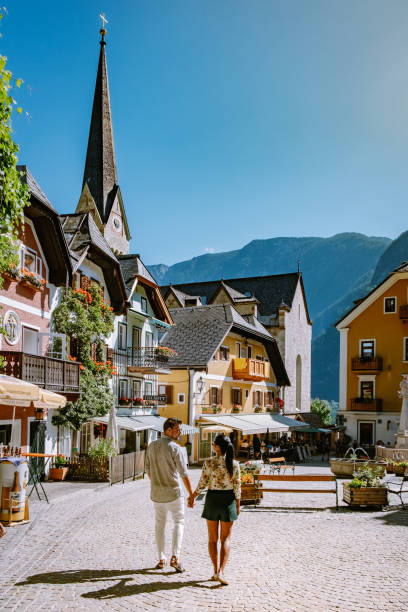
<point>165,463</point>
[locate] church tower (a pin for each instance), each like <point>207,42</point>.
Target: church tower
<point>100,190</point>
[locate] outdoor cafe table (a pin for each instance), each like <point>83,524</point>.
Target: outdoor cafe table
<point>37,471</point>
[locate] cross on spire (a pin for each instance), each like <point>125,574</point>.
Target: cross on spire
<point>103,30</point>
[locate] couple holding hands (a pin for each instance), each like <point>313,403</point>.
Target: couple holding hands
<point>165,464</point>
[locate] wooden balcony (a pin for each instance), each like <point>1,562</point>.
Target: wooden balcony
<point>366,404</point>
<point>403,311</point>
<point>46,372</point>
<point>250,369</point>
<point>364,364</point>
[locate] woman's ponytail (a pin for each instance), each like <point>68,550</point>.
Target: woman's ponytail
<point>227,449</point>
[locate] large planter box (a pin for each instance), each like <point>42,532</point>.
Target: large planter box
<point>58,473</point>
<point>366,496</point>
<point>399,470</point>
<point>251,494</point>
<point>344,468</point>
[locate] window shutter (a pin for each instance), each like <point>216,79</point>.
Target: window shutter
<point>240,396</point>
<point>169,394</point>
<point>73,347</point>
<point>261,399</point>
<point>266,398</point>
<point>219,398</point>
<point>254,398</point>
<point>84,282</point>
<point>93,350</point>
<point>233,392</point>
<point>109,354</point>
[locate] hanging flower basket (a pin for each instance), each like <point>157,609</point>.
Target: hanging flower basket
<point>164,353</point>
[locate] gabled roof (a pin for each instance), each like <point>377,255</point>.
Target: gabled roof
<point>235,296</point>
<point>270,290</point>
<point>85,239</point>
<point>365,302</point>
<point>133,269</point>
<point>48,229</point>
<point>27,178</point>
<point>181,296</point>
<point>200,330</point>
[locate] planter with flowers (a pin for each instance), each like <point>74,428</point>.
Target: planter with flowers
<point>366,489</point>
<point>12,274</point>
<point>258,409</point>
<point>164,353</point>
<point>60,469</point>
<point>216,408</point>
<point>236,408</point>
<point>251,489</point>
<point>31,280</point>
<point>138,401</point>
<point>399,468</point>
<point>123,401</point>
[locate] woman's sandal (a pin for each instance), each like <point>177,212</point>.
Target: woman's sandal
<point>161,564</point>
<point>221,578</point>
<point>176,565</point>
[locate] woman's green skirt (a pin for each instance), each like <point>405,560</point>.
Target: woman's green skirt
<point>220,506</point>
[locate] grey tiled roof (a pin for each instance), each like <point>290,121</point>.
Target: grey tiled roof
<point>270,291</point>
<point>81,231</point>
<point>34,187</point>
<point>199,331</point>
<point>132,266</point>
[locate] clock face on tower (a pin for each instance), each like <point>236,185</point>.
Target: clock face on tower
<point>117,224</point>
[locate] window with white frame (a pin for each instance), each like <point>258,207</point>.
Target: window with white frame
<point>31,261</point>
<point>143,304</point>
<point>405,349</point>
<point>148,388</point>
<point>390,305</point>
<point>122,333</point>
<point>136,385</point>
<point>123,389</point>
<point>181,398</point>
<point>224,353</point>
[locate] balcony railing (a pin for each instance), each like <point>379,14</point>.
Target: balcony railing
<point>140,359</point>
<point>250,369</point>
<point>403,311</point>
<point>46,372</point>
<point>366,404</point>
<point>366,363</point>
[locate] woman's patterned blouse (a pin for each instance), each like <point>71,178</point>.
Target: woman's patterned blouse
<point>215,476</point>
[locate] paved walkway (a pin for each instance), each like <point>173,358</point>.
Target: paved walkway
<point>93,551</point>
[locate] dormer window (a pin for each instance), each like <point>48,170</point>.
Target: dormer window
<point>30,261</point>
<point>390,305</point>
<point>191,302</point>
<point>143,304</point>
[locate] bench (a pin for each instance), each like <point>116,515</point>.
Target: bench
<point>278,464</point>
<point>260,478</point>
<point>398,487</point>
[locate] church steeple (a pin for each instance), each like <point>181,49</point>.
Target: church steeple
<point>100,166</point>
<point>100,190</point>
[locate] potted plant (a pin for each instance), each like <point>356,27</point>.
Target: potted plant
<point>30,279</point>
<point>366,488</point>
<point>216,408</point>
<point>12,274</point>
<point>400,468</point>
<point>258,408</point>
<point>251,492</point>
<point>390,466</point>
<point>236,408</point>
<point>60,468</point>
<point>123,401</point>
<point>163,353</point>
<point>138,401</point>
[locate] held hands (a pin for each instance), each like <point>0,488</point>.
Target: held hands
<point>190,500</point>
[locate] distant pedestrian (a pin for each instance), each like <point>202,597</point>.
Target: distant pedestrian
<point>256,443</point>
<point>222,479</point>
<point>165,464</point>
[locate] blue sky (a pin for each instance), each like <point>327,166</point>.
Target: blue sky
<point>233,119</point>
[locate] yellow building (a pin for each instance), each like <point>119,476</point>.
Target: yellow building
<point>228,372</point>
<point>373,356</point>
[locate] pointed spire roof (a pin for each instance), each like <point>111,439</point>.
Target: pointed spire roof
<point>100,166</point>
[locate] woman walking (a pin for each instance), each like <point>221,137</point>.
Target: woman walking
<point>221,476</point>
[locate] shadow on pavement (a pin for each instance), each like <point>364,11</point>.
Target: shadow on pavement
<point>397,517</point>
<point>120,589</point>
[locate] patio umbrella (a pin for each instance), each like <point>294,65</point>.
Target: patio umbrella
<point>112,429</point>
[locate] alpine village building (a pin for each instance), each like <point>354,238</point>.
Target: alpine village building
<point>243,345</point>
<point>373,358</point>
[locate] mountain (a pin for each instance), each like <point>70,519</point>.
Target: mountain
<point>336,271</point>
<point>393,256</point>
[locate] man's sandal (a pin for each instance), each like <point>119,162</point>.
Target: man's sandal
<point>161,564</point>
<point>176,565</point>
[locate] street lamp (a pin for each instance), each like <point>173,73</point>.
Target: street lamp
<point>200,384</point>
<point>39,414</point>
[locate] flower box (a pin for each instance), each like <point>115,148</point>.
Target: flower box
<point>365,496</point>
<point>9,276</point>
<point>29,285</point>
<point>399,470</point>
<point>58,473</point>
<point>251,493</point>
<point>344,468</point>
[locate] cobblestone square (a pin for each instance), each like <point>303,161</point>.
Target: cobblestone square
<point>94,550</point>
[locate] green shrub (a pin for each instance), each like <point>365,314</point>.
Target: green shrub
<point>102,448</point>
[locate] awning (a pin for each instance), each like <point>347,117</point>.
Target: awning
<point>315,429</point>
<point>257,423</point>
<point>143,422</point>
<point>216,429</point>
<point>123,422</point>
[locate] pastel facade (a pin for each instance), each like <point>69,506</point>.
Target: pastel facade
<point>279,303</point>
<point>373,357</point>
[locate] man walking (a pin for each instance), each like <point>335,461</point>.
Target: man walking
<point>165,464</point>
